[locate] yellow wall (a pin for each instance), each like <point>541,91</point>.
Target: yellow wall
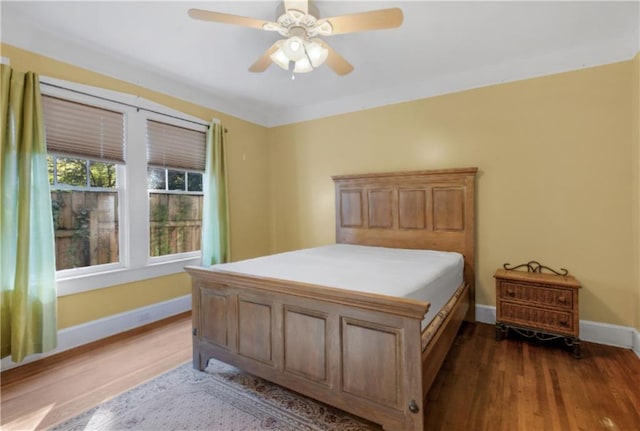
<point>554,180</point>
<point>96,304</point>
<point>635,118</point>
<point>248,188</point>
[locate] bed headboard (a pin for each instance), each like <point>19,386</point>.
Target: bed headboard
<point>432,209</point>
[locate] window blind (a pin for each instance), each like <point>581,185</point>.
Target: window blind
<point>77,129</point>
<point>170,146</point>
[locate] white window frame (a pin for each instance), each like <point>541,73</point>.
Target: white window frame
<point>186,125</point>
<point>173,256</point>
<point>119,189</point>
<point>133,206</point>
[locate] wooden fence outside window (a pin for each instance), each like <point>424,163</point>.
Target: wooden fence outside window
<point>87,227</point>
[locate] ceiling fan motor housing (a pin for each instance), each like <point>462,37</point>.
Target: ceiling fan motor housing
<point>293,22</point>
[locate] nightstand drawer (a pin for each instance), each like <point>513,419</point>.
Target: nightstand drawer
<point>556,321</point>
<point>542,295</point>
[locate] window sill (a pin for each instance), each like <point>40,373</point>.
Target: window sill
<point>71,285</point>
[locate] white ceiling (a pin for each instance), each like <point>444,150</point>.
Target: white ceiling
<point>441,47</point>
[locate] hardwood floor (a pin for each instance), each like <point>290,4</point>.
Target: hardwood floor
<point>484,384</point>
<point>527,385</point>
<point>41,394</point>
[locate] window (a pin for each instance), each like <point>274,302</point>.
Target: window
<point>85,146</point>
<point>102,205</point>
<point>84,202</point>
<point>175,156</point>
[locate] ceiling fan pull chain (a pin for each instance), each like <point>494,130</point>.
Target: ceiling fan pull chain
<point>292,66</point>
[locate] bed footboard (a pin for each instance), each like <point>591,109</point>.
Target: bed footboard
<point>324,343</point>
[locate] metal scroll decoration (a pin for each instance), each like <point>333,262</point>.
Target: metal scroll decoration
<point>534,266</point>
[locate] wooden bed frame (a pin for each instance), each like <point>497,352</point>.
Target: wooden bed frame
<point>356,351</point>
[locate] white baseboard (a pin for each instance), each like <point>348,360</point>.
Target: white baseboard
<point>605,333</point>
<point>594,332</point>
<point>78,335</point>
<point>485,314</point>
<point>68,338</point>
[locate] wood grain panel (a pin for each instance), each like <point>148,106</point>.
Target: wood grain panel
<point>351,208</point>
<point>448,209</point>
<point>380,207</point>
<point>255,330</point>
<point>214,317</point>
<point>412,209</point>
<point>370,361</point>
<point>305,344</point>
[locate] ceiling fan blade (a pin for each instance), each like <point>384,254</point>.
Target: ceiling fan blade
<point>226,18</point>
<point>364,21</point>
<point>265,60</point>
<point>299,5</point>
<point>337,62</point>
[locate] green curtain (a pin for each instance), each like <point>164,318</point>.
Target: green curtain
<point>215,212</point>
<point>27,249</point>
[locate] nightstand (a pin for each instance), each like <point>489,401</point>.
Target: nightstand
<point>538,305</point>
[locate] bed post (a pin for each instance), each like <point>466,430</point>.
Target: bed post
<point>414,413</point>
<point>195,326</point>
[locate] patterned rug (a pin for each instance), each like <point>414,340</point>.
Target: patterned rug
<point>221,398</point>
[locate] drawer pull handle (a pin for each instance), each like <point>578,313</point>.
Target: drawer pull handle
<point>562,300</point>
<point>564,323</point>
<point>510,292</point>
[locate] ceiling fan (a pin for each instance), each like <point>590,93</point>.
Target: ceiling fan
<point>298,22</point>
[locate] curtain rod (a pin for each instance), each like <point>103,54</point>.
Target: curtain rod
<point>126,104</point>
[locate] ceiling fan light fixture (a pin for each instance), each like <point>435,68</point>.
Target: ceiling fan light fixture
<point>305,54</point>
<point>294,48</point>
<point>316,52</point>
<point>303,66</point>
<point>279,57</point>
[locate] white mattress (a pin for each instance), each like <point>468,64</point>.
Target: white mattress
<point>425,275</point>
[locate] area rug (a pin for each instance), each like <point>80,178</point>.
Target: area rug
<point>221,398</point>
